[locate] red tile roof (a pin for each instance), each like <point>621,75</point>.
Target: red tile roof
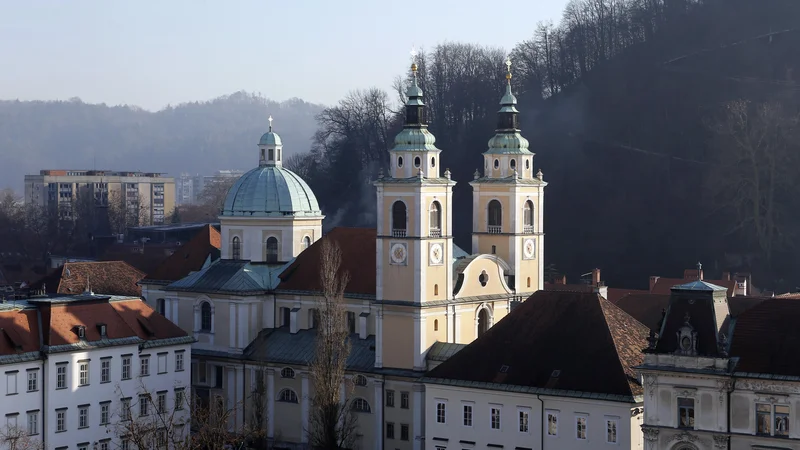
<point>556,331</point>
<point>190,257</point>
<point>766,338</point>
<point>615,294</point>
<point>358,259</point>
<point>104,277</point>
<point>127,318</point>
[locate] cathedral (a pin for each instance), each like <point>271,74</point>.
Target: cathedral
<point>413,295</point>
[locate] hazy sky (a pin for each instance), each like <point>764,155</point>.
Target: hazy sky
<point>157,52</point>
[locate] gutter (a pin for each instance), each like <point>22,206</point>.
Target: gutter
<point>542,421</point>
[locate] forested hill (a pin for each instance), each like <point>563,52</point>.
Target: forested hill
<point>197,137</point>
<point>638,113</point>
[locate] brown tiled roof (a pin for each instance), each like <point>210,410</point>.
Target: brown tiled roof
<point>358,259</point>
<point>664,285</point>
<point>146,260</point>
<point>19,332</point>
<point>104,277</point>
<point>766,338</point>
<point>615,294</point>
<point>60,321</point>
<point>794,295</point>
<point>593,343</point>
<point>190,257</point>
<point>568,287</point>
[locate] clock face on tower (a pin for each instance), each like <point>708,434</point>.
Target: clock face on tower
<point>436,254</point>
<point>398,253</point>
<point>528,248</point>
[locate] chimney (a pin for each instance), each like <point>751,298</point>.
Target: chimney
<point>726,276</point>
<point>653,280</point>
<point>562,280</point>
<point>596,277</point>
<point>699,271</point>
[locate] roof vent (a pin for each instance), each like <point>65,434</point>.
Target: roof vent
<point>556,373</point>
<point>504,369</point>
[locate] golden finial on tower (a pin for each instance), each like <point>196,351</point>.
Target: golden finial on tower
<point>508,69</point>
<point>413,59</point>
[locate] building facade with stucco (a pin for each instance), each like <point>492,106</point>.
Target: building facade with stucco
<point>412,298</point>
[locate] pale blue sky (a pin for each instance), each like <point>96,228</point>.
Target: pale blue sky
<point>152,53</point>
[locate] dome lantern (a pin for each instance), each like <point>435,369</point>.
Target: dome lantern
<point>270,148</point>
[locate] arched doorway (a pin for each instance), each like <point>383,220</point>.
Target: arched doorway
<point>483,321</point>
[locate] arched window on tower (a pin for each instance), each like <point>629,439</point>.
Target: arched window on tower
<point>272,249</point>
<point>236,248</point>
<point>483,321</point>
<point>271,154</point>
<point>436,220</point>
<point>306,242</point>
<point>399,219</point>
<point>527,217</point>
<point>495,217</point>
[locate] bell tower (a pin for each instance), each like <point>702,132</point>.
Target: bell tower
<point>414,238</point>
<point>508,201</point>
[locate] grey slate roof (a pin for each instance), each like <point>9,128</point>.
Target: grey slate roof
<point>510,180</point>
<point>278,345</point>
<point>270,191</point>
<point>699,285</point>
<point>233,276</point>
<point>441,351</point>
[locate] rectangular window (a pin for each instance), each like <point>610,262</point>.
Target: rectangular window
<point>404,400</point>
<point>83,416</point>
<point>495,418</point>
<point>389,430</point>
<point>144,368</point>
<point>11,421</point>
<point>524,426</point>
<point>105,371</point>
<point>180,399</point>
<point>178,361</point>
<point>83,446</point>
<point>441,412</point>
<point>161,438</point>
<point>61,377</point>
<point>611,431</point>
<point>143,406</point>
<point>390,399</point>
<point>104,413</point>
<point>467,415</point>
<point>104,445</point>
<point>685,413</point>
<point>61,421</point>
<point>33,423</point>
<point>772,420</point>
<point>403,432</point>
<point>552,423</point>
<point>11,383</point>
<point>125,409</point>
<point>162,363</point>
<point>83,369</point>
<point>580,427</point>
<point>126,367</point>
<point>782,420</point>
<point>125,444</point>
<point>33,380</point>
<point>161,403</point>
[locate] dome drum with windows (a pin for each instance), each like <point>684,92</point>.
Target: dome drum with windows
<point>270,190</point>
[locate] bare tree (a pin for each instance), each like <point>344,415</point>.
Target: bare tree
<point>127,209</point>
<point>754,175</point>
<point>17,438</point>
<point>332,423</point>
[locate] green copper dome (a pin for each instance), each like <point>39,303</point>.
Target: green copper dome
<point>270,191</point>
<point>270,138</point>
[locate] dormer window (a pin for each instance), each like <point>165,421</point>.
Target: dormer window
<point>81,331</point>
<point>101,327</point>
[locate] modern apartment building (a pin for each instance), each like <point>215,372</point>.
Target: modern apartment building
<point>151,193</point>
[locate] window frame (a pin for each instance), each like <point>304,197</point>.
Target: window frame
<point>83,373</point>
<point>61,376</point>
<point>206,317</point>
<point>144,365</point>
<point>105,413</point>
<point>83,416</point>
<point>161,358</point>
<point>524,417</point>
<point>389,430</point>
<point>105,370</point>
<point>615,422</point>
<point>271,250</point>
<point>547,415</point>
<point>688,409</point>
<point>360,405</point>
<point>61,420</point>
<point>405,399</point>
<point>581,419</point>
<point>287,395</point>
<point>179,360</point>
<point>12,387</point>
<point>33,419</point>
<point>441,411</point>
<point>236,248</point>
<point>389,398</point>
<point>33,378</point>
<point>127,365</point>
<point>495,417</point>
<point>467,414</point>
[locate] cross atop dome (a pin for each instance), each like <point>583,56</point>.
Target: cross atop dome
<point>270,123</point>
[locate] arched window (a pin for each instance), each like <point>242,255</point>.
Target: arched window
<point>435,219</point>
<point>483,321</point>
<point>527,217</point>
<point>513,164</point>
<point>483,278</point>
<point>527,163</point>
<point>161,307</point>
<point>433,162</point>
<point>287,372</point>
<point>529,281</point>
<point>287,396</point>
<point>272,249</point>
<point>495,216</point>
<point>399,219</point>
<point>236,248</point>
<point>360,380</point>
<point>306,242</point>
<point>436,325</point>
<point>361,405</point>
<point>435,289</point>
<point>399,161</point>
<point>205,316</point>
<point>417,161</point>
<point>496,163</point>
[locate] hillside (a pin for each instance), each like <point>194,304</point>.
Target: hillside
<point>197,137</point>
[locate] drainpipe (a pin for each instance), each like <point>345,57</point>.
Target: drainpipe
<point>41,387</point>
<point>383,414</point>
<point>728,419</point>
<point>541,402</point>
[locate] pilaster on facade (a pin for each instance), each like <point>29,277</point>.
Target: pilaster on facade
<point>418,416</point>
<point>270,403</point>
<point>378,414</point>
<point>305,395</point>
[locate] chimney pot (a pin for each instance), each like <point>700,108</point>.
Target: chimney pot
<point>596,277</point>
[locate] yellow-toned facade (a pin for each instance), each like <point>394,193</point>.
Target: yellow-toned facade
<point>427,293</point>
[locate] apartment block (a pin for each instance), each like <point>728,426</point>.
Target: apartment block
<point>151,193</point>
